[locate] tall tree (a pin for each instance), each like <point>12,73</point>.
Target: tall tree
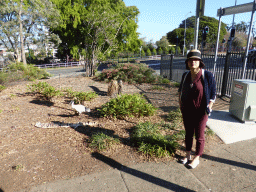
<point>211,22</point>
<point>21,21</point>
<point>94,28</point>
<point>163,43</point>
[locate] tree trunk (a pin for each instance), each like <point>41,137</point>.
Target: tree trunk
<point>17,55</point>
<point>21,36</point>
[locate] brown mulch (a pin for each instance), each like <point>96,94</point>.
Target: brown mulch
<point>31,156</point>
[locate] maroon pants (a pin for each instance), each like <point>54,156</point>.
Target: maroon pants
<point>195,122</point>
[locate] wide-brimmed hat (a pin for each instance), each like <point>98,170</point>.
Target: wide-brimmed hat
<point>193,54</point>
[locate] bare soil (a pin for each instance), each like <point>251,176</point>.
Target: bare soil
<point>31,156</point>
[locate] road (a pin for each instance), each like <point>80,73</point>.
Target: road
<point>74,71</point>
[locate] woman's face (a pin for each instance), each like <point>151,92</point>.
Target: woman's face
<point>193,63</point>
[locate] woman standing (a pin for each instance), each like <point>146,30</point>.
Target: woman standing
<point>197,93</point>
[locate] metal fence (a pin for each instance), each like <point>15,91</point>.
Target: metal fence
<point>228,67</point>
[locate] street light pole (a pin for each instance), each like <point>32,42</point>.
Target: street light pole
<point>185,33</point>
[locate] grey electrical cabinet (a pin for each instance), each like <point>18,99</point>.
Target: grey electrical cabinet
<point>243,100</point>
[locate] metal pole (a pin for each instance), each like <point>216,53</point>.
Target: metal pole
<point>248,40</point>
<point>185,33</point>
<point>217,43</point>
<point>230,38</point>
<point>196,25</point>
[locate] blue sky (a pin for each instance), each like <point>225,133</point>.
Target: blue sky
<point>158,17</point>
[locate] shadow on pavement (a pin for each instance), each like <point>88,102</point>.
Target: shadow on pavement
<point>139,174</point>
<point>229,162</point>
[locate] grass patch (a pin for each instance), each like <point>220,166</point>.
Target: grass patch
<point>157,87</point>
<point>127,105</point>
<point>209,132</point>
<point>152,142</point>
<point>101,141</point>
<point>175,117</point>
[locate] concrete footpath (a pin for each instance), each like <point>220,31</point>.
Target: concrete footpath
<point>228,168</point>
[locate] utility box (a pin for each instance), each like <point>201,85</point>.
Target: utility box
<point>243,100</point>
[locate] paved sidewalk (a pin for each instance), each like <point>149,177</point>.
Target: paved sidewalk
<point>225,169</point>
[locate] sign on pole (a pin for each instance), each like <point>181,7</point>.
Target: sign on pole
<point>236,9</point>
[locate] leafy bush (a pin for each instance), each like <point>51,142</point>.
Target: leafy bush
<point>45,90</point>
<point>38,88</point>
<point>2,87</point>
<point>150,140</point>
<point>127,105</point>
<point>18,71</point>
<point>131,73</point>
<point>101,141</point>
<point>49,92</point>
<point>79,96</point>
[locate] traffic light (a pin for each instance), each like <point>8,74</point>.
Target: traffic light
<point>224,40</point>
<point>206,29</point>
<point>233,31</point>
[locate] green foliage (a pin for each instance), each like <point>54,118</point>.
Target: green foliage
<point>45,90</point>
<point>180,135</point>
<point>163,43</point>
<point>211,22</point>
<point>158,87</point>
<point>154,51</point>
<point>79,97</point>
<point>160,51</point>
<point>148,138</point>
<point>176,118</point>
<point>102,141</point>
<point>49,92</point>
<point>127,105</point>
<point>38,88</point>
<point>18,71</point>
<point>131,73</point>
<point>83,25</point>
<point>176,84</point>
<point>148,52</point>
<point>209,132</point>
<point>2,87</point>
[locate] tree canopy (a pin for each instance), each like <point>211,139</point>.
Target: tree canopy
<point>22,21</point>
<point>95,28</point>
<point>211,37</point>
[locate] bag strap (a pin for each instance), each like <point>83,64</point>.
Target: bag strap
<point>185,76</point>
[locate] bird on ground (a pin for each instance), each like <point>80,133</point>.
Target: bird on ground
<point>79,108</point>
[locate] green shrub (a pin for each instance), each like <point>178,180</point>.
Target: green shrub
<point>176,84</point>
<point>38,88</point>
<point>101,141</point>
<point>45,90</point>
<point>131,73</point>
<point>49,92</point>
<point>79,97</point>
<point>2,87</point>
<point>127,105</point>
<point>18,71</point>
<point>148,138</point>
